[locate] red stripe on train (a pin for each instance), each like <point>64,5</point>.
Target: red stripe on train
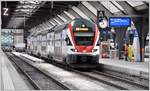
<point>71,33</point>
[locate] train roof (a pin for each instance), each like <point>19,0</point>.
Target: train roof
<point>58,28</point>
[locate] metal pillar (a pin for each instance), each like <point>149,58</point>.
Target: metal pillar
<point>142,26</point>
<point>120,34</point>
<point>0,27</point>
<point>26,34</point>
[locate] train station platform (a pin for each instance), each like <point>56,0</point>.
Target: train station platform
<point>34,59</point>
<point>140,69</point>
<point>10,79</point>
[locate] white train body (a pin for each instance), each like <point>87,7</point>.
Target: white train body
<point>75,43</point>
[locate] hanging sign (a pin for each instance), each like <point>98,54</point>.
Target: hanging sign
<point>5,11</point>
<point>119,21</point>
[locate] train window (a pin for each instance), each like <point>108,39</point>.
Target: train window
<point>52,42</point>
<point>86,40</point>
<point>35,48</point>
<point>44,43</point>
<point>68,41</point>
<point>43,48</point>
<point>49,42</point>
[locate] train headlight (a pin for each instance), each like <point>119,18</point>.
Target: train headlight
<point>74,50</point>
<point>94,50</point>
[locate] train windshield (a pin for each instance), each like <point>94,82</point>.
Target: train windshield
<point>84,38</point>
<point>83,32</point>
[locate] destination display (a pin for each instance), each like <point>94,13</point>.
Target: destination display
<point>81,29</point>
<point>119,21</point>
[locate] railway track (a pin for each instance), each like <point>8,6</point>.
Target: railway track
<point>132,78</point>
<point>112,80</point>
<point>143,84</point>
<point>38,79</point>
<point>109,79</point>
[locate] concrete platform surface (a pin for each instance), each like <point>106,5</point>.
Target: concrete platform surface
<point>10,78</point>
<point>133,68</point>
<point>34,59</point>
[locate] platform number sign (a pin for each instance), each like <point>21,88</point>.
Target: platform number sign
<point>5,11</point>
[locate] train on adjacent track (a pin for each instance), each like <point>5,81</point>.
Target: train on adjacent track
<point>74,44</point>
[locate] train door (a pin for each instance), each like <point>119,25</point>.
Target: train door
<point>52,44</point>
<point>57,47</point>
<point>48,43</point>
<point>34,46</point>
<point>38,44</point>
<point>64,44</point>
<point>43,47</point>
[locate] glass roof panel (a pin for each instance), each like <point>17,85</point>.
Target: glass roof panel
<point>90,7</point>
<point>52,23</point>
<point>108,5</point>
<point>77,10</point>
<point>135,3</point>
<point>69,15</point>
<point>34,2</point>
<point>56,21</point>
<point>28,6</point>
<point>117,5</point>
<point>62,18</point>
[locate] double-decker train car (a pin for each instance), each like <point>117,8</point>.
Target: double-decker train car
<point>75,44</point>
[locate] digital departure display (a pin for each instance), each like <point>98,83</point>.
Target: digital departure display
<point>119,21</point>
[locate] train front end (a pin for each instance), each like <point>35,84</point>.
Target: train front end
<point>84,48</point>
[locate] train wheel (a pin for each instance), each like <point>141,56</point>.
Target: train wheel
<point>49,59</point>
<point>67,67</point>
<point>39,55</point>
<point>31,53</point>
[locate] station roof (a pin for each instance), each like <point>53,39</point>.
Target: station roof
<point>41,15</point>
<point>27,14</point>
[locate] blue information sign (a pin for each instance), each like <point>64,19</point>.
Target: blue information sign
<point>119,21</point>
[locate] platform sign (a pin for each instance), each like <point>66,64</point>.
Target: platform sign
<point>119,21</point>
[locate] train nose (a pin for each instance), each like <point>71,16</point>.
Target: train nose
<point>84,49</point>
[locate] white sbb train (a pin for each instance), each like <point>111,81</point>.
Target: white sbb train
<point>75,43</point>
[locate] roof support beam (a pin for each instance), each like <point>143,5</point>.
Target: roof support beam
<point>90,7</point>
<point>57,21</point>
<point>79,12</point>
<point>62,18</point>
<point>69,15</point>
<point>52,23</point>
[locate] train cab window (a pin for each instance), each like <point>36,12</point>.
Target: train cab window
<point>84,38</point>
